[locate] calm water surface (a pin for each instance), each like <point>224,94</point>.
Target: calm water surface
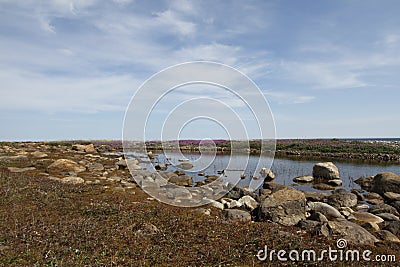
<point>284,169</point>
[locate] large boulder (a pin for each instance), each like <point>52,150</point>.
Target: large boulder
<point>326,170</point>
<point>286,206</point>
<point>353,233</point>
<point>64,166</point>
<point>386,182</point>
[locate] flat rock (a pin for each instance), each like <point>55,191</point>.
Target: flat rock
<point>323,187</point>
<point>185,166</point>
<point>64,166</point>
<point>72,180</point>
<point>303,179</point>
<point>17,170</point>
<point>39,155</point>
<point>353,233</point>
<point>391,196</point>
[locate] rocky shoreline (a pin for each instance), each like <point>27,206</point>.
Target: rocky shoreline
<point>363,217</point>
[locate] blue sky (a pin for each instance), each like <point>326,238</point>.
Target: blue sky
<point>327,68</point>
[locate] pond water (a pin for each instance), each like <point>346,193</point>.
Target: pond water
<point>284,169</point>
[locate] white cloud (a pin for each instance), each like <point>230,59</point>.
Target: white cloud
<point>172,21</point>
<point>287,97</point>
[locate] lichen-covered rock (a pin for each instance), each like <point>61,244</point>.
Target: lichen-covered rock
<point>286,206</point>
<point>386,182</point>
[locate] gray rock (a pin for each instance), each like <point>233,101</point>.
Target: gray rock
<point>388,216</point>
<point>267,174</point>
<point>303,179</point>
<point>383,208</point>
<point>182,180</point>
<point>396,205</point>
<point>216,204</point>
<point>326,209</point>
<point>353,233</point>
<point>342,199</point>
<point>235,215</point>
<point>374,198</point>
<point>248,202</point>
<point>180,193</point>
<point>285,206</point>
<point>393,227</point>
<point>365,182</point>
<point>185,166</point>
<point>387,236</point>
<point>326,170</point>
<point>149,183</point>
<point>238,192</point>
<point>386,182</point>
<point>231,203</point>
